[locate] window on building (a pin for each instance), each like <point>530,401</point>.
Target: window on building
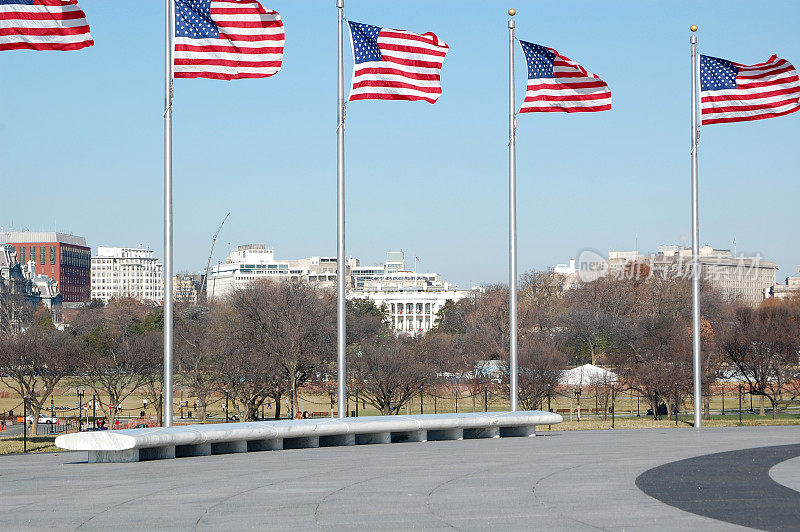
<point>22,255</point>
<point>42,255</point>
<point>52,255</point>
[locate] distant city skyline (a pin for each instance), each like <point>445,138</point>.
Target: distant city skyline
<point>428,179</point>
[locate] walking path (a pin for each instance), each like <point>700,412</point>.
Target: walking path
<point>559,480</point>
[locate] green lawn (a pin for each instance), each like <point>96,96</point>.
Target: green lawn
<point>37,444</point>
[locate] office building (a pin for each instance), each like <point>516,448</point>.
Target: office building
<point>62,257</point>
<point>252,262</point>
<point>127,272</point>
<point>742,279</point>
<point>789,290</point>
<point>186,288</point>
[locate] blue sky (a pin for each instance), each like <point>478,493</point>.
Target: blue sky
<point>81,140</point>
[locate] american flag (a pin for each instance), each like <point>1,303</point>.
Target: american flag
<point>227,39</point>
<point>43,25</point>
<point>396,64</point>
<point>558,84</point>
<point>731,92</point>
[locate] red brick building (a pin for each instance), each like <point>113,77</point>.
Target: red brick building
<point>65,258</point>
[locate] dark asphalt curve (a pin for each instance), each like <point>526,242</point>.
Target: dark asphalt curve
<point>733,486</point>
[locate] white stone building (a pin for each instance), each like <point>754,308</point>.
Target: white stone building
<point>788,290</point>
<point>22,290</point>
<point>742,279</point>
<point>127,272</point>
<point>252,262</point>
<point>411,311</point>
<point>411,299</point>
<point>186,288</point>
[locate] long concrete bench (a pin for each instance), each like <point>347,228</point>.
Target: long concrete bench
<point>133,445</point>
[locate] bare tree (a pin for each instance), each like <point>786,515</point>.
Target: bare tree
<point>595,313</point>
<point>541,297</point>
<point>602,384</point>
<point>151,344</point>
<point>247,377</point>
<point>540,362</point>
<point>390,372</point>
<point>34,362</point>
<point>195,348</point>
<point>289,324</point>
<point>119,351</point>
<point>650,346</point>
<point>763,345</point>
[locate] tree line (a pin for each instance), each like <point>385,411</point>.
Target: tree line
<point>266,342</point>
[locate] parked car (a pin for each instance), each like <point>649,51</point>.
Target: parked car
<point>43,420</point>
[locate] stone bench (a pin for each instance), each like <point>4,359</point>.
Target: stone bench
<point>133,445</point>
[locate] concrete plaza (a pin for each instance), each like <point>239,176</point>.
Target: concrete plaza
<point>558,480</point>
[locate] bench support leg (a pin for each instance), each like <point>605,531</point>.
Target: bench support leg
<point>200,449</point>
<point>513,432</point>
<point>275,444</point>
<point>114,457</point>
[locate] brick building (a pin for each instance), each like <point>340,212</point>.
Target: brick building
<point>62,257</point>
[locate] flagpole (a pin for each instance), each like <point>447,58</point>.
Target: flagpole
<point>512,218</point>
<point>698,398</point>
<point>166,406</point>
<point>341,267</point>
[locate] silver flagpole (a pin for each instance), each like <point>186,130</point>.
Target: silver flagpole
<point>512,218</point>
<point>166,406</point>
<point>341,267</point>
<point>696,273</point>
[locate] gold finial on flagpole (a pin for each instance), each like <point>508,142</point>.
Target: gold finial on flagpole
<point>693,28</point>
<point>512,12</point>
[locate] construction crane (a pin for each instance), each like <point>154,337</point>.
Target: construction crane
<point>204,288</point>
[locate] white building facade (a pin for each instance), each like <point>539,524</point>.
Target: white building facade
<point>411,311</point>
<point>252,262</point>
<point>412,300</point>
<point>127,272</point>
<point>789,290</point>
<point>742,279</point>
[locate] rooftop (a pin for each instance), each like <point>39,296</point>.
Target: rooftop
<point>27,237</point>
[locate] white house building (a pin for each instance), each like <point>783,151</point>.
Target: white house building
<point>411,310</point>
<point>126,272</point>
<point>412,300</point>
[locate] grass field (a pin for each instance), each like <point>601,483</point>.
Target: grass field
<point>39,444</point>
<point>65,402</point>
<point>625,422</point>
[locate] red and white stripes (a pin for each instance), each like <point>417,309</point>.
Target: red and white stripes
<point>250,44</point>
<point>764,90</point>
<point>409,69</point>
<point>43,25</point>
<point>573,89</point>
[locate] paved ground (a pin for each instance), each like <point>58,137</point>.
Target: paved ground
<point>787,473</point>
<point>733,486</point>
<point>562,480</point>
